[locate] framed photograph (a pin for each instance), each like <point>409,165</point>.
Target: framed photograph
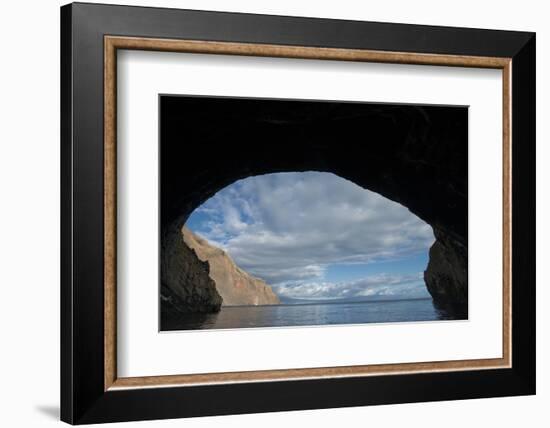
<point>265,213</point>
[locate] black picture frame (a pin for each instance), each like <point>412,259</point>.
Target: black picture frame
<point>83,396</point>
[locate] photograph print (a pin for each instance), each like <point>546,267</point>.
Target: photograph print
<point>286,213</point>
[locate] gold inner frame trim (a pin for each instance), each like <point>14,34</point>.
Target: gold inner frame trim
<point>113,43</point>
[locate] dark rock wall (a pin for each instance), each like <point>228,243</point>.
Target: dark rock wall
<point>185,282</point>
<point>235,286</point>
<point>446,275</point>
<point>414,155</point>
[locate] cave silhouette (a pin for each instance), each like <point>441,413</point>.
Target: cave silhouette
<point>416,155</point>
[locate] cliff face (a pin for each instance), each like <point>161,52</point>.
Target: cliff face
<point>446,275</point>
<point>235,286</point>
<point>185,282</point>
<point>199,278</point>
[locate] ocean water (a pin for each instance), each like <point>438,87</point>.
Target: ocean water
<point>312,314</point>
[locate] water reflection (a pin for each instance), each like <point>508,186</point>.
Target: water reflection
<point>314,314</point>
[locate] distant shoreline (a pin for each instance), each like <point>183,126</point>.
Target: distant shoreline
<point>329,301</point>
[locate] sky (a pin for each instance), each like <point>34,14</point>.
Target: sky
<point>317,236</point>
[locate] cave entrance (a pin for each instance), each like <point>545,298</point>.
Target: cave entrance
<point>308,237</point>
<point>414,155</point>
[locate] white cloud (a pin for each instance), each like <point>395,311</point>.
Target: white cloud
<point>290,226</point>
<point>380,285</point>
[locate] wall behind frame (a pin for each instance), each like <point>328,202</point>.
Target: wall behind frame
<point>29,218</point>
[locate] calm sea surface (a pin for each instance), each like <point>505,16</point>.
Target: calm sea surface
<point>313,314</point>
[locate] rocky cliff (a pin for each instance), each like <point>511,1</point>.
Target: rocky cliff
<point>186,285</point>
<point>446,275</point>
<point>235,286</point>
<point>197,277</point>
